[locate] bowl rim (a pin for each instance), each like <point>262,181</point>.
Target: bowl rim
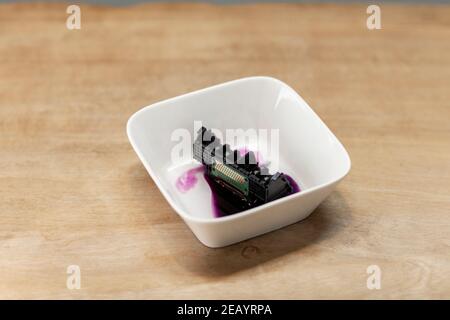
<point>180,211</point>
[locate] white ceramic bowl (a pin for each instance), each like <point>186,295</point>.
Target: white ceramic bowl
<point>308,151</point>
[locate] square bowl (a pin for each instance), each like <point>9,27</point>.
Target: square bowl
<point>307,151</point>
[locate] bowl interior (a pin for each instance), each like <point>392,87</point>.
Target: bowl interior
<point>307,150</point>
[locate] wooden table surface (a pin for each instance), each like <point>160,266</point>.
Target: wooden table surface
<point>74,192</point>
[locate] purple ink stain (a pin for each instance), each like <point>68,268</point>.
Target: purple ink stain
<point>214,199</point>
<point>188,180</point>
<point>294,185</point>
<point>222,205</point>
<point>220,200</point>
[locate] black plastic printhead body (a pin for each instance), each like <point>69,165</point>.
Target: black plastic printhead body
<point>239,176</point>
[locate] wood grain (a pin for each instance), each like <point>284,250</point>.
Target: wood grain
<point>74,192</point>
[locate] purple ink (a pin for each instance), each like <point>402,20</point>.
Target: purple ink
<point>294,185</point>
<point>215,203</point>
<point>220,200</point>
<point>222,205</point>
<point>188,180</point>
